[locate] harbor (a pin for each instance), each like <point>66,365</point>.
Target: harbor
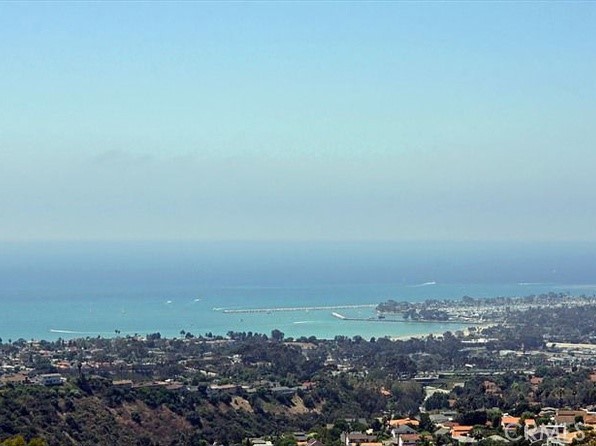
<point>384,319</point>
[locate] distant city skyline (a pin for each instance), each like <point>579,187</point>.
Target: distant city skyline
<point>298,121</point>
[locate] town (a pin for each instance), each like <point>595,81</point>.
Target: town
<point>528,376</point>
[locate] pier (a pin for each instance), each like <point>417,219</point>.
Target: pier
<point>315,308</point>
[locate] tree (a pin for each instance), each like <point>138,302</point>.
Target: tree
<point>17,440</point>
<point>473,418</point>
<point>425,423</point>
<point>277,335</point>
<point>437,401</point>
<point>285,440</point>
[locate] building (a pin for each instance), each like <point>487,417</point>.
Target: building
<point>51,379</point>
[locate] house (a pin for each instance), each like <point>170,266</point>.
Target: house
<point>547,412</point>
<point>439,418</point>
<point>175,387</point>
<point>63,365</point>
<point>356,438</point>
<point>51,379</point>
<point>403,429</point>
<point>458,431</point>
<point>568,417</point>
<point>222,388</point>
<point>509,423</point>
<point>408,439</point>
<point>283,390</point>
<point>441,431</point>
<point>260,442</point>
<point>403,421</point>
<point>300,437</point>
<point>425,379</point>
<point>404,435</point>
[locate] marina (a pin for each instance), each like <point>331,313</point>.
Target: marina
<point>383,319</point>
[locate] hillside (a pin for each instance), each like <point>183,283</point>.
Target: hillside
<point>91,413</point>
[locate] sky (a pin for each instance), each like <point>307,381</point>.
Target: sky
<point>298,121</point>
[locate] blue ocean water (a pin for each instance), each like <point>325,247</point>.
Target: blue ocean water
<point>51,290</point>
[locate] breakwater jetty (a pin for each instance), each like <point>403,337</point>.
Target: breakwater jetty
<point>313,308</point>
<point>421,321</point>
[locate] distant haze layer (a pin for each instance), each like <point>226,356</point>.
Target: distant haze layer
<point>322,121</point>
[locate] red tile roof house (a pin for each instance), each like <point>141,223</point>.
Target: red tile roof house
<point>461,431</point>
<point>403,421</point>
<point>568,416</point>
<point>510,424</point>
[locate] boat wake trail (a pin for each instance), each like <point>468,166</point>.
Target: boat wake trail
<point>424,284</point>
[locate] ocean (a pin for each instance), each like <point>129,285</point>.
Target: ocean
<point>76,289</point>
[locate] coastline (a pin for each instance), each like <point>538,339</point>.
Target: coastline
<point>64,313</point>
<point>466,331</point>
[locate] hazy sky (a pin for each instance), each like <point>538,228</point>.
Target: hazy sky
<point>298,121</point>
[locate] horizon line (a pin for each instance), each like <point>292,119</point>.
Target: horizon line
<point>290,240</point>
